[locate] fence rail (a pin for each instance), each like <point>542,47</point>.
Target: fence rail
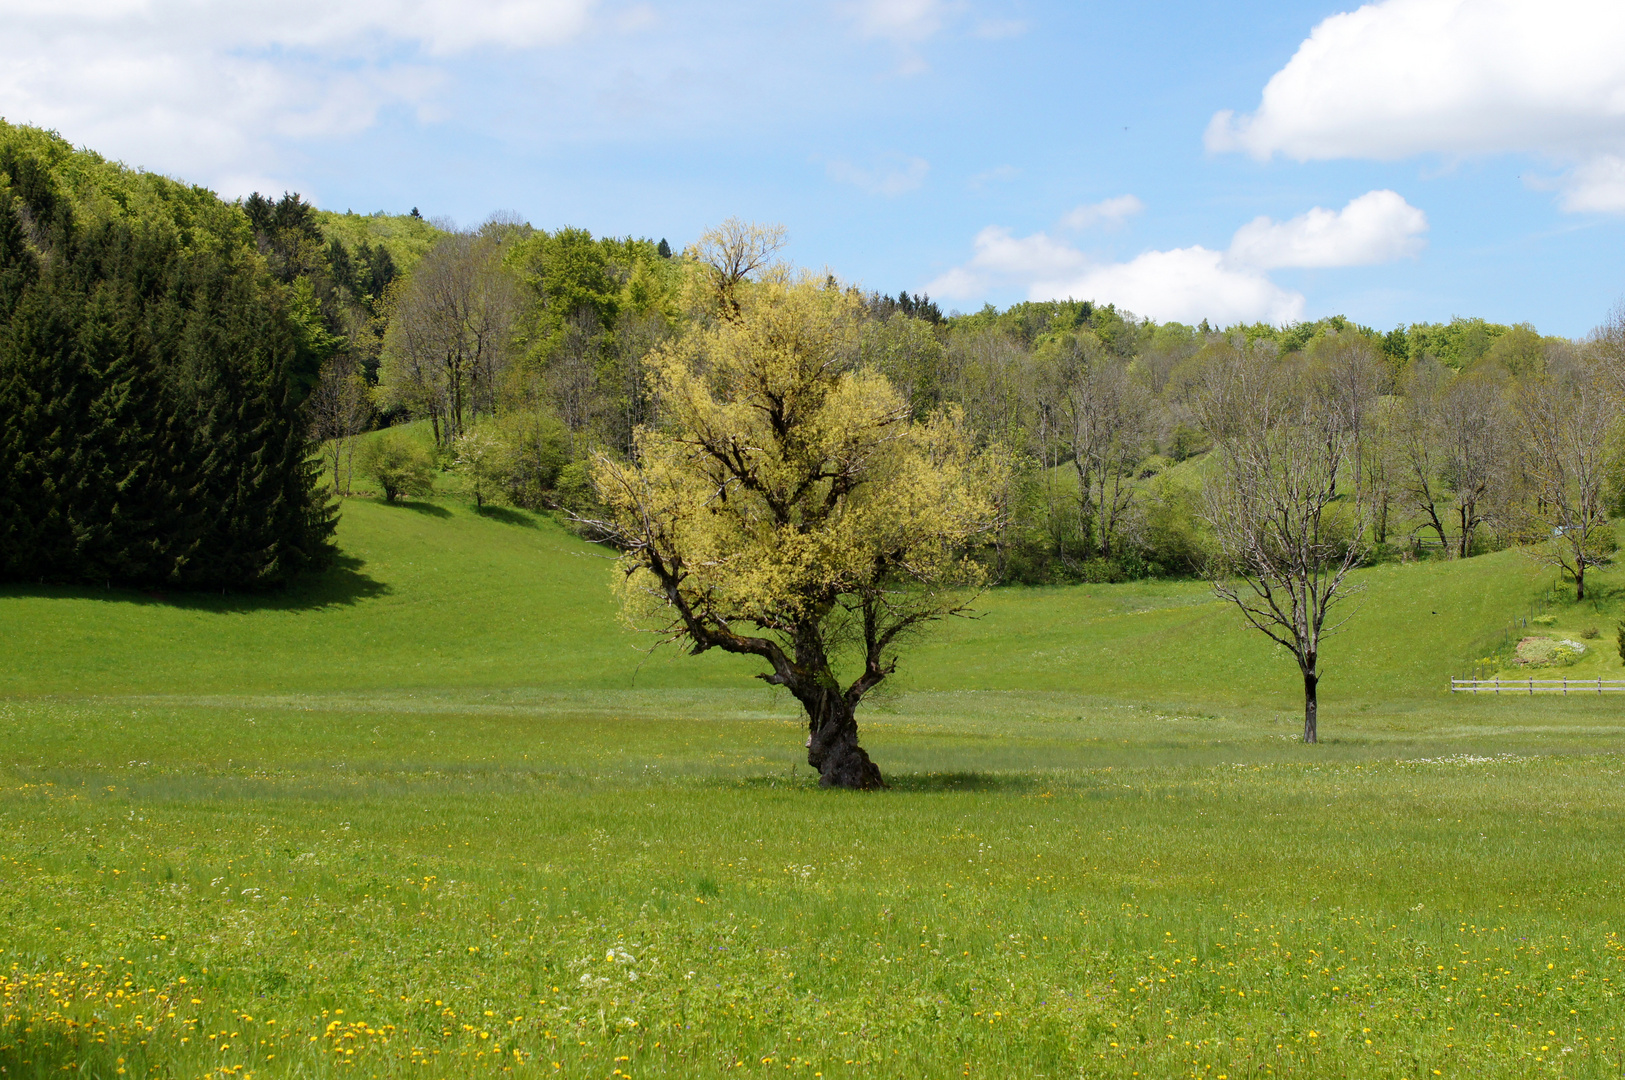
<point>1536,686</point>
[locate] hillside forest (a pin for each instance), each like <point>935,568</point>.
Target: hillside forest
<point>172,357</point>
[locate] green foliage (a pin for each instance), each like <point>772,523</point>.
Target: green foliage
<point>399,463</point>
<point>1455,344</point>
<point>573,277</point>
<point>402,238</point>
<point>151,377</point>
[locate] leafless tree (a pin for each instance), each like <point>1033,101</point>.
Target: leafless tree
<point>1452,442</point>
<point>1286,541</point>
<point>1607,347</point>
<point>339,411</point>
<point>452,334</point>
<point>570,375</point>
<point>1105,416</point>
<point>1565,418</point>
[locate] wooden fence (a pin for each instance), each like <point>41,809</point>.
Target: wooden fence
<point>1536,686</point>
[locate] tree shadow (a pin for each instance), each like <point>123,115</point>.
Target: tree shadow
<point>968,780</point>
<point>508,516</point>
<point>343,584</point>
<point>429,508</point>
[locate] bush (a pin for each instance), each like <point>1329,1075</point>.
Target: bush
<point>399,464</point>
<point>537,447</point>
<point>1590,632</point>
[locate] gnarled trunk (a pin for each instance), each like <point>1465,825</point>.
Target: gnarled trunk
<point>832,740</point>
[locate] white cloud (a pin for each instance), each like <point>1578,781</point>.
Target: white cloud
<point>1191,283</point>
<point>897,177</point>
<point>1108,212</point>
<point>898,20</point>
<point>1183,285</point>
<point>1186,284</point>
<point>205,88</point>
<point>1377,227</point>
<point>1598,184</point>
<point>997,175</point>
<point>1404,77</point>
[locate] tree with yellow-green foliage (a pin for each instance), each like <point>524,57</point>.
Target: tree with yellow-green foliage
<point>788,507</point>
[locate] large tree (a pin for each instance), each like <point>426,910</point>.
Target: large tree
<point>452,334</point>
<point>1286,540</point>
<point>789,508</point>
<point>1565,417</point>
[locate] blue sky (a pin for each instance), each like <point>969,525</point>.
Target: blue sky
<point>1407,161</point>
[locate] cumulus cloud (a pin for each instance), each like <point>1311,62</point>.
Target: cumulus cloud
<point>1192,283</point>
<point>1184,285</point>
<point>204,88</point>
<point>1108,212</point>
<point>1377,227</point>
<point>891,178</point>
<point>1404,77</point>
<point>1598,184</point>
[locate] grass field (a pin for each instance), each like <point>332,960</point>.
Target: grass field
<point>436,814</point>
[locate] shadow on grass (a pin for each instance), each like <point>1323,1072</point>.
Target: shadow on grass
<point>429,508</point>
<point>508,516</point>
<point>969,780</point>
<point>343,584</point>
<point>26,1051</point>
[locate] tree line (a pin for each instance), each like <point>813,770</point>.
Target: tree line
<point>153,374</point>
<point>527,351</point>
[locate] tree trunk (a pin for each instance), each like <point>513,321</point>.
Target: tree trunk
<point>1580,580</point>
<point>832,741</point>
<point>1311,706</point>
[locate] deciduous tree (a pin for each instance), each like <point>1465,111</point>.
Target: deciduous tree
<point>1286,541</point>
<point>789,508</point>
<point>1565,417</point>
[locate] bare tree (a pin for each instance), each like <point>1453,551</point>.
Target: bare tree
<point>1105,413</point>
<point>1286,541</point>
<point>1452,442</point>
<point>452,334</point>
<point>1471,432</point>
<point>339,411</point>
<point>1565,417</point>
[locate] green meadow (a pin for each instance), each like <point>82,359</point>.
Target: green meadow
<point>439,814</point>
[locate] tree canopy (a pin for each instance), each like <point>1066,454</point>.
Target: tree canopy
<point>789,507</point>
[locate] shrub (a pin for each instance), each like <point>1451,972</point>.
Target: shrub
<point>537,450</point>
<point>1590,632</point>
<point>399,464</point>
<point>1544,620</point>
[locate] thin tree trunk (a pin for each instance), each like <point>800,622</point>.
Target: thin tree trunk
<point>832,741</point>
<point>1311,706</point>
<point>1580,580</point>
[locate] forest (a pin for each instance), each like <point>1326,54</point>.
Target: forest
<point>172,357</point>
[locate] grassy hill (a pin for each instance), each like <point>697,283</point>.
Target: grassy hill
<point>431,594</point>
<point>435,815</point>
